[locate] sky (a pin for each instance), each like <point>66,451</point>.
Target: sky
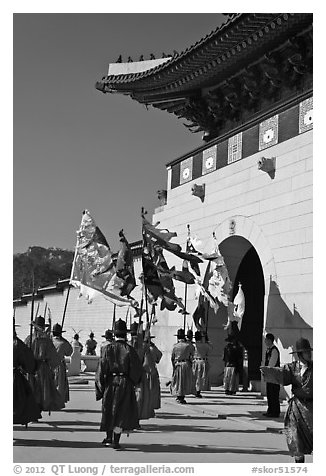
<point>76,148</point>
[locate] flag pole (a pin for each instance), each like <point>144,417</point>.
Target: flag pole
<point>186,285</point>
<point>113,320</point>
<point>45,308</point>
<point>65,308</point>
<point>32,310</point>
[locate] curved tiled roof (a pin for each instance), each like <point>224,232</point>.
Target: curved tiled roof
<point>210,55</point>
<point>226,72</point>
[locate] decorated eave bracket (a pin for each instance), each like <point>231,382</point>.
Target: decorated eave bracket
<point>198,191</point>
<point>267,165</point>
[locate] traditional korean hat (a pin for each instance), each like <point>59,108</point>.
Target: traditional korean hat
<point>198,335</point>
<point>108,334</point>
<point>120,327</point>
<point>301,345</point>
<point>134,328</point>
<point>180,334</point>
<point>57,329</point>
<point>190,334</point>
<point>39,323</point>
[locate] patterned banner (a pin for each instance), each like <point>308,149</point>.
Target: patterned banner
<point>186,170</point>
<point>306,117</point>
<point>268,132</point>
<point>235,148</point>
<point>209,160</point>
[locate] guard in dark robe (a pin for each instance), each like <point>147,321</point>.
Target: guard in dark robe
<point>272,359</point>
<point>91,345</point>
<point>47,359</point>
<point>118,372</point>
<point>108,339</point>
<point>25,407</point>
<point>298,421</point>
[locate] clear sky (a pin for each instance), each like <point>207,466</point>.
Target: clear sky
<point>76,148</point>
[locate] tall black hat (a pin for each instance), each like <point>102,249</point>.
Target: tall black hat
<point>39,323</point>
<point>302,345</point>
<point>108,334</point>
<point>120,327</point>
<point>57,329</point>
<point>134,328</point>
<point>190,334</point>
<point>180,334</point>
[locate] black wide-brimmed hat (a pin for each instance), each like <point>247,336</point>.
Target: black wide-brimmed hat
<point>302,345</point>
<point>134,328</point>
<point>57,329</point>
<point>180,334</point>
<point>39,323</point>
<point>108,334</point>
<point>198,335</point>
<point>190,334</point>
<point>120,327</point>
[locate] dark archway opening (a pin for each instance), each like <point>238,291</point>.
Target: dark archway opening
<point>244,266</point>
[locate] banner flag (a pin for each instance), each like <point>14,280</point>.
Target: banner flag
<point>93,270</point>
<point>162,238</point>
<point>157,276</point>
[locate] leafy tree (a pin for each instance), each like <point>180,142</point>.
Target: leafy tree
<point>44,266</point>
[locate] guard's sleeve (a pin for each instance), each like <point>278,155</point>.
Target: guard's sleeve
<point>100,378</point>
<point>135,369</point>
<point>52,355</point>
<point>27,360</point>
<point>68,348</point>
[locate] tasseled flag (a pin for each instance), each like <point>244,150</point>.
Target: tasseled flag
<point>125,266</point>
<point>219,284</point>
<point>184,275</point>
<point>162,238</point>
<point>239,305</point>
<point>200,314</point>
<point>93,270</point>
<point>157,277</point>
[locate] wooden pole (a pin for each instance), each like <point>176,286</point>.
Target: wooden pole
<point>65,308</point>
<point>32,311</point>
<point>45,308</point>
<point>185,310</point>
<point>207,314</point>
<point>113,320</point>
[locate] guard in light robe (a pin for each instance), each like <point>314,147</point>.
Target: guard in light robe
<point>181,358</point>
<point>118,372</point>
<point>63,349</point>
<point>155,387</point>
<point>200,365</point>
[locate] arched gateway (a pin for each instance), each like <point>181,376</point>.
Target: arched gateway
<point>250,262</point>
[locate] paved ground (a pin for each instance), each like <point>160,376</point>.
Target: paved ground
<point>217,428</point>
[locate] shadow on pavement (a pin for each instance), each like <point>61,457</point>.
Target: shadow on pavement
<point>149,448</point>
<point>157,448</point>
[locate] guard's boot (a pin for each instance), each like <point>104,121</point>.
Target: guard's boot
<point>198,394</point>
<point>299,459</point>
<point>108,440</point>
<point>116,438</point>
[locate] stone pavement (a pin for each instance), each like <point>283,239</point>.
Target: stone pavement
<point>215,429</point>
